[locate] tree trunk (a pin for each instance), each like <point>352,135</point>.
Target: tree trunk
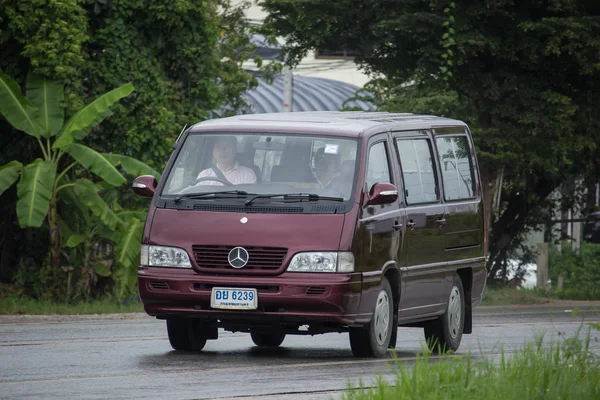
<point>591,199</point>
<point>490,178</point>
<point>513,220</point>
<point>55,244</point>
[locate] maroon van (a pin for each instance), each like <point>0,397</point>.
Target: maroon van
<point>316,222</point>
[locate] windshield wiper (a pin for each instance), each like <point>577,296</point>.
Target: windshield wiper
<point>238,193</point>
<point>293,196</point>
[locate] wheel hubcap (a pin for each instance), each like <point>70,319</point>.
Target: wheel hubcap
<point>382,317</point>
<point>454,312</point>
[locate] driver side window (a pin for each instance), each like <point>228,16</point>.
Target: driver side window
<point>378,168</point>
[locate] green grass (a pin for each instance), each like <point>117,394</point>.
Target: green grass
<point>560,370</point>
<point>21,305</point>
<point>576,294</point>
<point>508,297</point>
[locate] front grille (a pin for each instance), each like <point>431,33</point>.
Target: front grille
<point>259,258</point>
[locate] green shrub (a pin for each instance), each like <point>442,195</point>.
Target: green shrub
<point>580,270</point>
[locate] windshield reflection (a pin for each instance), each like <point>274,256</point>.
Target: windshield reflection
<point>263,164</point>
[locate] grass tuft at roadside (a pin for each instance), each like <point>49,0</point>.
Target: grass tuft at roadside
<point>564,370</point>
<point>509,297</point>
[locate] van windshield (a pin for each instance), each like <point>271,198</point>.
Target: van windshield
<point>263,164</point>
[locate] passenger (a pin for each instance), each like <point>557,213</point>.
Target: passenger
<point>224,153</point>
<point>327,167</point>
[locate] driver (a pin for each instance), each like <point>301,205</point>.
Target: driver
<point>224,152</point>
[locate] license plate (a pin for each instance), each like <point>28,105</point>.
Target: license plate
<point>234,299</point>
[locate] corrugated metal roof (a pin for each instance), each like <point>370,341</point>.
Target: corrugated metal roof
<point>309,94</point>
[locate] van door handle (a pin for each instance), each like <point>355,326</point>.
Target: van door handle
<point>411,224</point>
<point>441,221</point>
<point>397,226</point>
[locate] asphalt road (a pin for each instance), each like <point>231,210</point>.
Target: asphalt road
<point>130,357</point>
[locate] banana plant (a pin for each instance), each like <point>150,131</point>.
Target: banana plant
<point>41,182</point>
<point>92,247</point>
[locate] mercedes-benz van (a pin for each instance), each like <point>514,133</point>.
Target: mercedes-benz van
<point>316,222</point>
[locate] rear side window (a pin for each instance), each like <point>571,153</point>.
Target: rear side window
<point>457,169</point>
<point>379,168</point>
<point>416,159</point>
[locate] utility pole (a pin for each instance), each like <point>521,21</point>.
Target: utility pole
<point>542,265</point>
<point>288,89</point>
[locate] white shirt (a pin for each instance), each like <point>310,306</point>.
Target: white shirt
<point>237,175</point>
<point>323,185</point>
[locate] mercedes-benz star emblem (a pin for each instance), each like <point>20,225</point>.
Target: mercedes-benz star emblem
<point>238,257</point>
<point>244,220</point>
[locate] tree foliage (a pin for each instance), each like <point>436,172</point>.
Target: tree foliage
<point>43,181</point>
<point>524,75</point>
<point>183,57</point>
<point>185,60</point>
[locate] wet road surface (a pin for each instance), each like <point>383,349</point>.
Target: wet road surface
<point>130,357</point>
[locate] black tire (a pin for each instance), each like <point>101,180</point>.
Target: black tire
<point>445,333</point>
<point>267,339</point>
<point>185,334</point>
<point>373,339</point>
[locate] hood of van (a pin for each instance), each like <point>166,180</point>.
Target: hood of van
<point>192,230</point>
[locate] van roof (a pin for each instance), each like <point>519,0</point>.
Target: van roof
<point>343,123</point>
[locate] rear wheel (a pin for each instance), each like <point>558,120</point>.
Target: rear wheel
<point>267,339</point>
<point>185,334</point>
<point>445,333</point>
<point>373,340</point>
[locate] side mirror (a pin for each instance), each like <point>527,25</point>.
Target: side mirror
<point>144,186</point>
<point>382,193</point>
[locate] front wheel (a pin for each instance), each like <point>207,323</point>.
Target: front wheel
<point>373,340</point>
<point>445,333</point>
<point>267,339</point>
<point>185,334</point>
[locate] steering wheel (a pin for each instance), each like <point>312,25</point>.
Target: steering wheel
<point>211,178</point>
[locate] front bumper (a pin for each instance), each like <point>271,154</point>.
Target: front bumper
<point>300,298</point>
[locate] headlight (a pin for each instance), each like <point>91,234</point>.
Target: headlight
<point>163,256</point>
<point>322,262</point>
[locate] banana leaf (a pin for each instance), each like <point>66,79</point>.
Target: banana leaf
<point>9,173</point>
<point>16,109</point>
<point>69,238</point>
<point>101,269</point>
<point>128,256</point>
<point>88,194</point>
<point>129,247</point>
<point>128,215</point>
<point>47,95</point>
<point>35,191</point>
<point>96,163</point>
<point>88,117</point>
<point>131,165</point>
